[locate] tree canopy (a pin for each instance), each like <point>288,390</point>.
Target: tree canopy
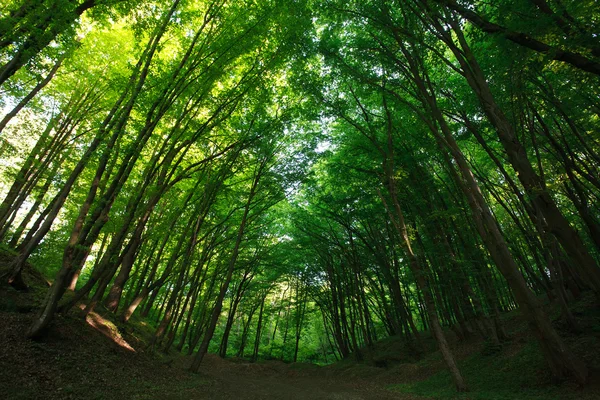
<point>299,179</point>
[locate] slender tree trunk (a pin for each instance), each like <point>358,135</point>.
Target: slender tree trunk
<point>31,94</point>
<point>232,261</point>
<point>259,329</point>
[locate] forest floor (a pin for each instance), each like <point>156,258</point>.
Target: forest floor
<point>95,359</point>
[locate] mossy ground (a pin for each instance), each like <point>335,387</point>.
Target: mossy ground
<point>518,370</point>
<point>502,376</point>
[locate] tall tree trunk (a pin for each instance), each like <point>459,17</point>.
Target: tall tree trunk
<point>208,334</point>
<point>12,113</point>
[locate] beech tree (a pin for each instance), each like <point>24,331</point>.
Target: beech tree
<point>299,179</point>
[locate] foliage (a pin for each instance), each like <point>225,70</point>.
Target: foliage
<point>298,180</point>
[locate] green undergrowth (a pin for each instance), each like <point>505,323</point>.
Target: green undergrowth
<point>502,376</point>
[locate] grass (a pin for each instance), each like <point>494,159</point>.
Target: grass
<point>502,376</point>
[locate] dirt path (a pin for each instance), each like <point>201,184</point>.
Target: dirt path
<point>243,387</point>
<point>274,380</point>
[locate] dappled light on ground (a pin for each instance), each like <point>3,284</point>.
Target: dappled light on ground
<point>108,329</point>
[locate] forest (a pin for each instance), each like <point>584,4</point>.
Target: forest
<point>402,196</point>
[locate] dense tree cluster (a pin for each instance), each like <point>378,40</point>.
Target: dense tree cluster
<point>299,179</point>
